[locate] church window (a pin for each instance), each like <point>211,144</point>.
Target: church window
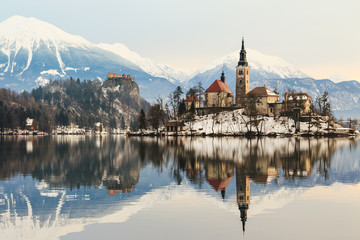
<point>241,197</point>
<point>241,72</point>
<point>247,71</point>
<point>247,198</point>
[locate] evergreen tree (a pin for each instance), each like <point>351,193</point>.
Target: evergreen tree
<point>142,120</point>
<point>192,108</point>
<point>182,108</point>
<point>62,118</point>
<point>175,98</point>
<point>122,123</point>
<point>134,125</point>
<point>192,92</point>
<point>324,105</point>
<point>112,123</point>
<point>190,116</point>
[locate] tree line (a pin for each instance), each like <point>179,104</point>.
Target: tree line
<point>63,102</point>
<point>173,109</point>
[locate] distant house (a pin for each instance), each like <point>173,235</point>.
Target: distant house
<point>298,100</point>
<point>174,126</point>
<point>219,94</point>
<point>99,127</point>
<point>264,101</point>
<point>189,100</point>
<point>29,124</point>
<point>111,75</point>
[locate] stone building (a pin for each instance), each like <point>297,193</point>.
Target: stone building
<point>297,100</point>
<point>112,75</point>
<point>29,123</point>
<point>263,100</point>
<point>242,78</point>
<point>189,100</point>
<point>219,94</point>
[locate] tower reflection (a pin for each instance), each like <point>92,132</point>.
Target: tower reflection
<point>242,193</point>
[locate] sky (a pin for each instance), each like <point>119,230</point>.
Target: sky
<point>320,37</point>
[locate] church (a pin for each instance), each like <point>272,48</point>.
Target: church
<point>219,94</point>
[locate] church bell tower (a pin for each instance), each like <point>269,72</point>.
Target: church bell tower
<point>242,77</point>
<point>243,184</point>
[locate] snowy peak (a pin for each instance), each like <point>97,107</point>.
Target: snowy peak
<point>28,31</point>
<point>267,65</point>
<point>32,52</point>
<point>337,77</point>
<point>21,38</point>
<point>260,62</point>
<point>146,64</point>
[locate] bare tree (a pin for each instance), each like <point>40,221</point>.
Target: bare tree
<point>156,116</point>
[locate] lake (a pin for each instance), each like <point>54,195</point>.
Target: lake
<point>78,187</point>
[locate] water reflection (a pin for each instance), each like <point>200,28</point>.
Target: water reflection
<point>86,178</point>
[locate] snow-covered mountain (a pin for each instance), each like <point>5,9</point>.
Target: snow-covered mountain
<point>159,70</point>
<point>262,67</point>
<point>337,77</point>
<point>32,52</point>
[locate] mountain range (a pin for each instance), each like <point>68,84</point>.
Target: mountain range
<point>33,52</point>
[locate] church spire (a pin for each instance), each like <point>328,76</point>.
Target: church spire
<point>243,62</point>
<point>243,215</point>
<point>222,76</point>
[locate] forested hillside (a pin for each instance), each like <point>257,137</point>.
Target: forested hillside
<point>115,103</point>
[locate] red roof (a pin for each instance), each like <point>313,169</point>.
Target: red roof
<point>262,92</point>
<point>111,73</point>
<point>219,86</point>
<point>111,193</point>
<point>219,184</point>
<point>191,99</point>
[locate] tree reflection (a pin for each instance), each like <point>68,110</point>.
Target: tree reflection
<point>80,161</point>
<point>116,162</point>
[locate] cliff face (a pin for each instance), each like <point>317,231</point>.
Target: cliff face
<point>123,88</point>
<point>112,102</point>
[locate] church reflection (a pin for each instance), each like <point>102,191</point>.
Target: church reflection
<point>242,193</point>
<point>258,166</point>
<point>116,164</point>
<point>219,175</point>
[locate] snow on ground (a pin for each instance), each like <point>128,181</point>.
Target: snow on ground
<point>236,123</point>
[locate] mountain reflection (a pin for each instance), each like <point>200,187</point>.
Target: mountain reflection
<point>116,163</point>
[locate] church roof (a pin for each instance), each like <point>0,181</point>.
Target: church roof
<point>219,86</point>
<point>219,184</point>
<point>262,92</point>
<point>191,99</point>
<point>299,97</point>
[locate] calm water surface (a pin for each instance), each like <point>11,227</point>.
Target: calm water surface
<point>76,187</point>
